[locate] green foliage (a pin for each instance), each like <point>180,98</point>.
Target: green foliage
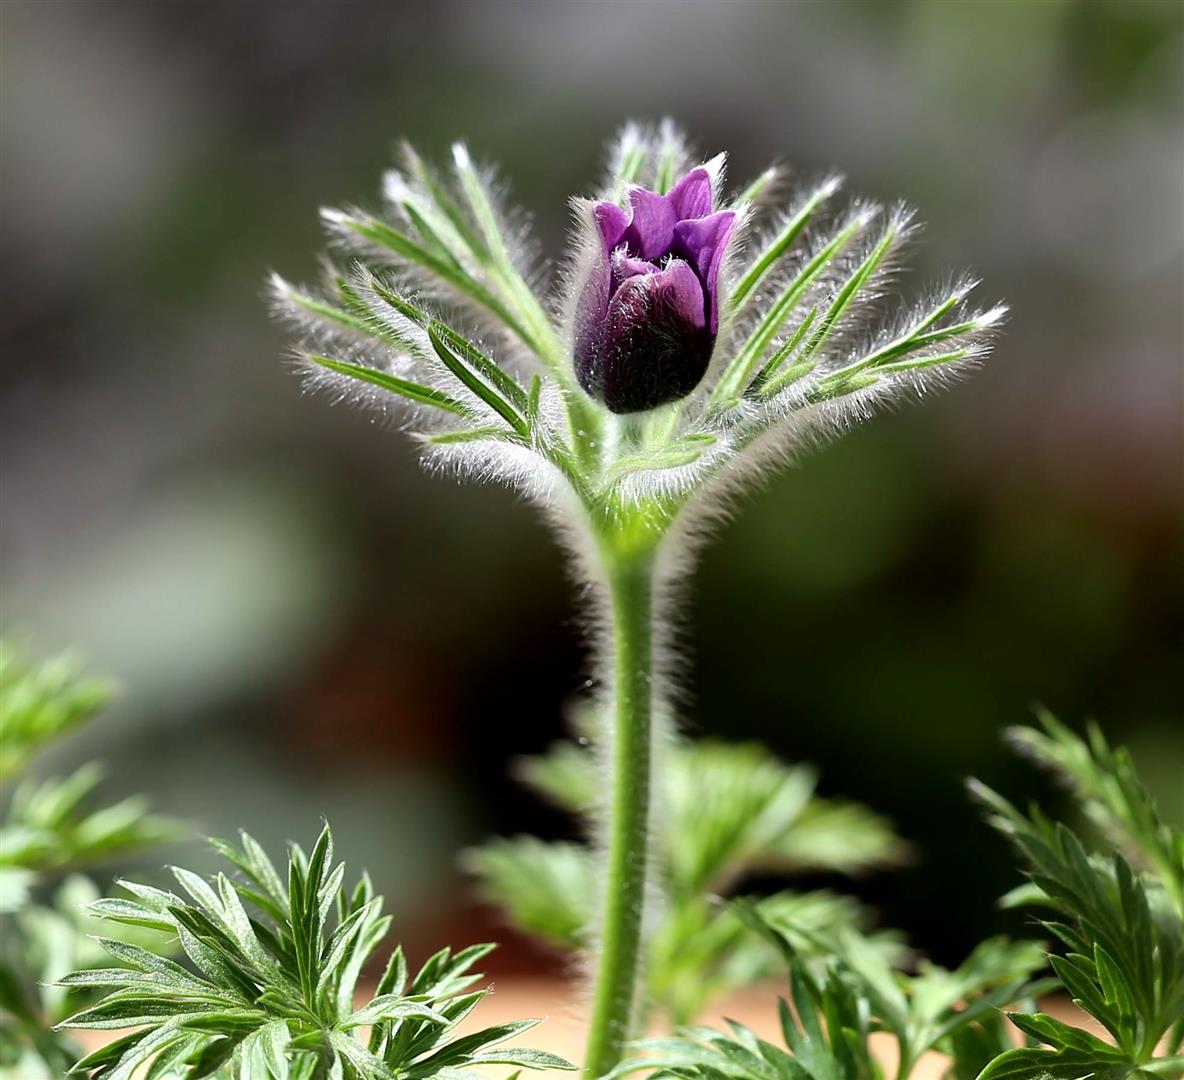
<point>545,889</point>
<point>566,775</point>
<point>1112,796</point>
<point>40,703</point>
<point>51,943</point>
<point>48,831</point>
<point>924,1011</point>
<point>835,1011</point>
<point>736,810</point>
<point>727,812</point>
<point>48,828</point>
<point>271,994</point>
<point>50,940</point>
<point>703,949</point>
<point>1117,915</point>
<point>1122,927</point>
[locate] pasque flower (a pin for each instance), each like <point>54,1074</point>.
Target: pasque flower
<point>759,328</point>
<point>649,310</point>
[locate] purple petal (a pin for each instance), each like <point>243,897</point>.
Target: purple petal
<point>699,239</point>
<point>653,346</point>
<point>691,196</point>
<point>598,286</point>
<point>591,312</point>
<point>677,289</point>
<point>625,266</point>
<point>612,221</point>
<point>703,242</point>
<point>651,227</point>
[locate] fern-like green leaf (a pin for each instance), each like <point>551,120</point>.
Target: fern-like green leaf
<point>274,963</point>
<point>1121,926</point>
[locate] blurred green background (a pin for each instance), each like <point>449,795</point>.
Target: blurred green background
<point>306,625</point>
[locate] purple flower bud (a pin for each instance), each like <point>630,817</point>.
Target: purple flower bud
<point>649,310</point>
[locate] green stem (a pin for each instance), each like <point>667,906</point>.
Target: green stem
<point>630,581</point>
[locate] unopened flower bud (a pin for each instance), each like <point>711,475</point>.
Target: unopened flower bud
<point>649,311</point>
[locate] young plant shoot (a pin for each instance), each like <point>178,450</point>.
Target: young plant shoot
<point>696,336</point>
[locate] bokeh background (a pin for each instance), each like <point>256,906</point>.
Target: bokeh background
<point>305,625</point>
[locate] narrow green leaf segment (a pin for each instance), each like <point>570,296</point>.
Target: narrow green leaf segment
<point>403,387</point>
<point>629,571</point>
<point>784,239</point>
<point>736,377</point>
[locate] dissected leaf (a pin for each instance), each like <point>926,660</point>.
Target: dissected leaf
<point>728,811</point>
<point>276,969</point>
<point>1123,930</point>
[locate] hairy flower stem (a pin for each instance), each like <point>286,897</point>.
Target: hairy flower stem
<point>630,577</point>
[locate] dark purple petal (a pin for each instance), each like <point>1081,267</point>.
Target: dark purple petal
<point>612,221</point>
<point>678,288</point>
<point>598,287</point>
<point>653,347</point>
<point>691,196</point>
<point>591,313</point>
<point>651,228</point>
<point>625,266</point>
<point>702,242</point>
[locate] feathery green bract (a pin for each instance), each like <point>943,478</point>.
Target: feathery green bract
<point>270,993</point>
<point>728,811</point>
<point>424,395</point>
<point>1121,926</point>
<point>438,300</point>
<point>836,1009</point>
<point>792,228</point>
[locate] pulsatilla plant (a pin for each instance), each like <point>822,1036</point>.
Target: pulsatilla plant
<point>694,336</point>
